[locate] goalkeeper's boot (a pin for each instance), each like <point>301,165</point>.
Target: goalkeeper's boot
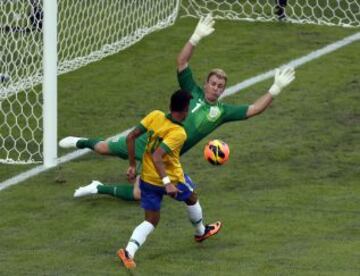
<point>88,189</point>
<point>128,262</point>
<point>69,142</point>
<point>210,230</point>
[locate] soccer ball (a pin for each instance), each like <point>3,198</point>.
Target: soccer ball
<point>216,152</point>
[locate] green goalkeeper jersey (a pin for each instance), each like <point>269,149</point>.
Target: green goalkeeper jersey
<point>203,118</point>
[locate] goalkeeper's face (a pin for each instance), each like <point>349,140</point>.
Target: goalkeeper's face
<point>214,87</point>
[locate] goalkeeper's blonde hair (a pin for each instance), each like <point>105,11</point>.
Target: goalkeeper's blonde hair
<point>219,73</point>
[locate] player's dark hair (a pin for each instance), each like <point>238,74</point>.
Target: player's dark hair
<point>180,100</point>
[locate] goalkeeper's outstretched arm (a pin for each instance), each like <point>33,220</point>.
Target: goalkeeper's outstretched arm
<point>203,29</point>
<point>282,79</point>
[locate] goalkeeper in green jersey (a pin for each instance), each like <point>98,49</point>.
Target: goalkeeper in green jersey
<point>206,113</point>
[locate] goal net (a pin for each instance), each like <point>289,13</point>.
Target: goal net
<point>345,13</point>
<point>88,30</point>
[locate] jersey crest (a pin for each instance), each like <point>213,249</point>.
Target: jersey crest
<point>214,113</point>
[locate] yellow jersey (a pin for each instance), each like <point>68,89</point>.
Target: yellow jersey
<point>165,132</point>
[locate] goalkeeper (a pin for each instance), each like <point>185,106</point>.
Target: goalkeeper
<point>206,113</point>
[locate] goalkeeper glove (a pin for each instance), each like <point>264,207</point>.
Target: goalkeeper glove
<point>282,79</point>
<point>203,28</point>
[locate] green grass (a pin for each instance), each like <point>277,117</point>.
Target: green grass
<point>288,197</point>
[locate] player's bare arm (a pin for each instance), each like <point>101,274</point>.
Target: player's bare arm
<point>157,157</point>
<point>184,56</point>
<point>130,141</point>
<point>259,105</point>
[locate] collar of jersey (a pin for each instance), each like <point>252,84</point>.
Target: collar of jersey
<point>173,120</point>
<point>209,103</point>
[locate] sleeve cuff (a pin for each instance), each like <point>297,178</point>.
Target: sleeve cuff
<point>141,127</point>
<point>165,148</point>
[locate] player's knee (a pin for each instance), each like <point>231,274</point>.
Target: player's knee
<point>102,148</point>
<point>153,217</point>
<point>192,199</point>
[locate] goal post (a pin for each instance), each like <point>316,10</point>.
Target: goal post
<point>87,31</point>
<point>50,84</point>
<point>344,13</point>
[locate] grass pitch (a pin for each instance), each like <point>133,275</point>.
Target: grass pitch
<point>288,197</point>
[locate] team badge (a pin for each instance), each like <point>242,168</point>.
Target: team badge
<point>214,113</point>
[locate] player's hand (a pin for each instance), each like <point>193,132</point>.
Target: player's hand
<point>282,79</point>
<point>171,190</point>
<point>203,28</point>
<point>131,173</point>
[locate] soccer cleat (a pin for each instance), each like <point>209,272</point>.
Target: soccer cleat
<point>88,189</point>
<point>128,262</point>
<point>69,142</point>
<point>210,230</point>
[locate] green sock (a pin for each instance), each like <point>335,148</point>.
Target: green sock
<point>123,191</point>
<point>88,143</point>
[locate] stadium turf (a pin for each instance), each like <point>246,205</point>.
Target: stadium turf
<point>288,197</point>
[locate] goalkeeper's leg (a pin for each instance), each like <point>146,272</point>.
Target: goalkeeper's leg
<point>126,191</point>
<point>114,147</point>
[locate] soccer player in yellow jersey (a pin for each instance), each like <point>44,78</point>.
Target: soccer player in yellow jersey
<point>162,173</point>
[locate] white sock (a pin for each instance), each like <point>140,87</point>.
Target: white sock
<point>138,237</point>
<point>195,216</point>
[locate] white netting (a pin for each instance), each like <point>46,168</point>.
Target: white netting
<point>88,30</point>
<point>92,29</point>
<point>344,13</point>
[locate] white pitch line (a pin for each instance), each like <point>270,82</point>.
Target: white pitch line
<point>229,91</point>
<point>294,63</point>
<point>39,169</point>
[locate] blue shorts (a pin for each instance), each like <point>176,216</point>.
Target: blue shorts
<point>151,195</point>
